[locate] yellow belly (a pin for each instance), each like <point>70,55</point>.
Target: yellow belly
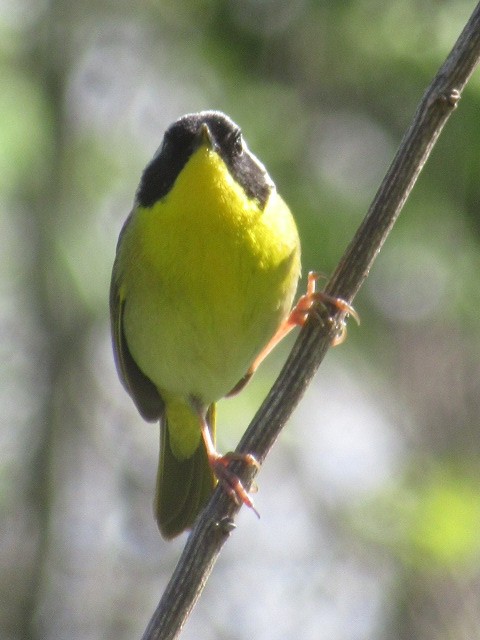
<point>210,278</point>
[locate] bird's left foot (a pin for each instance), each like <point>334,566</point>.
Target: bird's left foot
<point>307,301</point>
<point>298,316</point>
<point>300,312</point>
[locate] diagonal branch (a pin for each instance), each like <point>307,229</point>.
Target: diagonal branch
<point>216,521</point>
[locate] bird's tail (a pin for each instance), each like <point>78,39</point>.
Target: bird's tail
<point>183,486</point>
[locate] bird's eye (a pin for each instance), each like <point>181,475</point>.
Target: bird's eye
<point>236,142</point>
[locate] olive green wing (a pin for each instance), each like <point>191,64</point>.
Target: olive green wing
<point>142,390</point>
<point>183,486</point>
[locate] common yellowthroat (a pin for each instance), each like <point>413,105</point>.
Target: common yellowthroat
<point>206,269</point>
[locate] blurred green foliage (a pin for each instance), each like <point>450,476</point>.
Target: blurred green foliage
<point>430,520</point>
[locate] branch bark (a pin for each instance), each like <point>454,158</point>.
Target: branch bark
<point>216,521</point>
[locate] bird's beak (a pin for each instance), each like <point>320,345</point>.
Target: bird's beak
<point>205,137</point>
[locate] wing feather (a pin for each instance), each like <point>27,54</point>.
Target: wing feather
<point>142,390</point>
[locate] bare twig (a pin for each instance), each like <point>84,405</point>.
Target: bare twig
<point>216,521</point>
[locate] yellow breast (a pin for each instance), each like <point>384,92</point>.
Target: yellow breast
<point>210,277</point>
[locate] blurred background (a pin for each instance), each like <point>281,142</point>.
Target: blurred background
<point>370,501</point>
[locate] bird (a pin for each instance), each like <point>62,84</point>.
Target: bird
<point>205,273</point>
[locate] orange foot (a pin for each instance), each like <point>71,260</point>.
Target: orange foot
<point>230,481</point>
<point>298,316</point>
<point>341,305</point>
<point>220,463</point>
